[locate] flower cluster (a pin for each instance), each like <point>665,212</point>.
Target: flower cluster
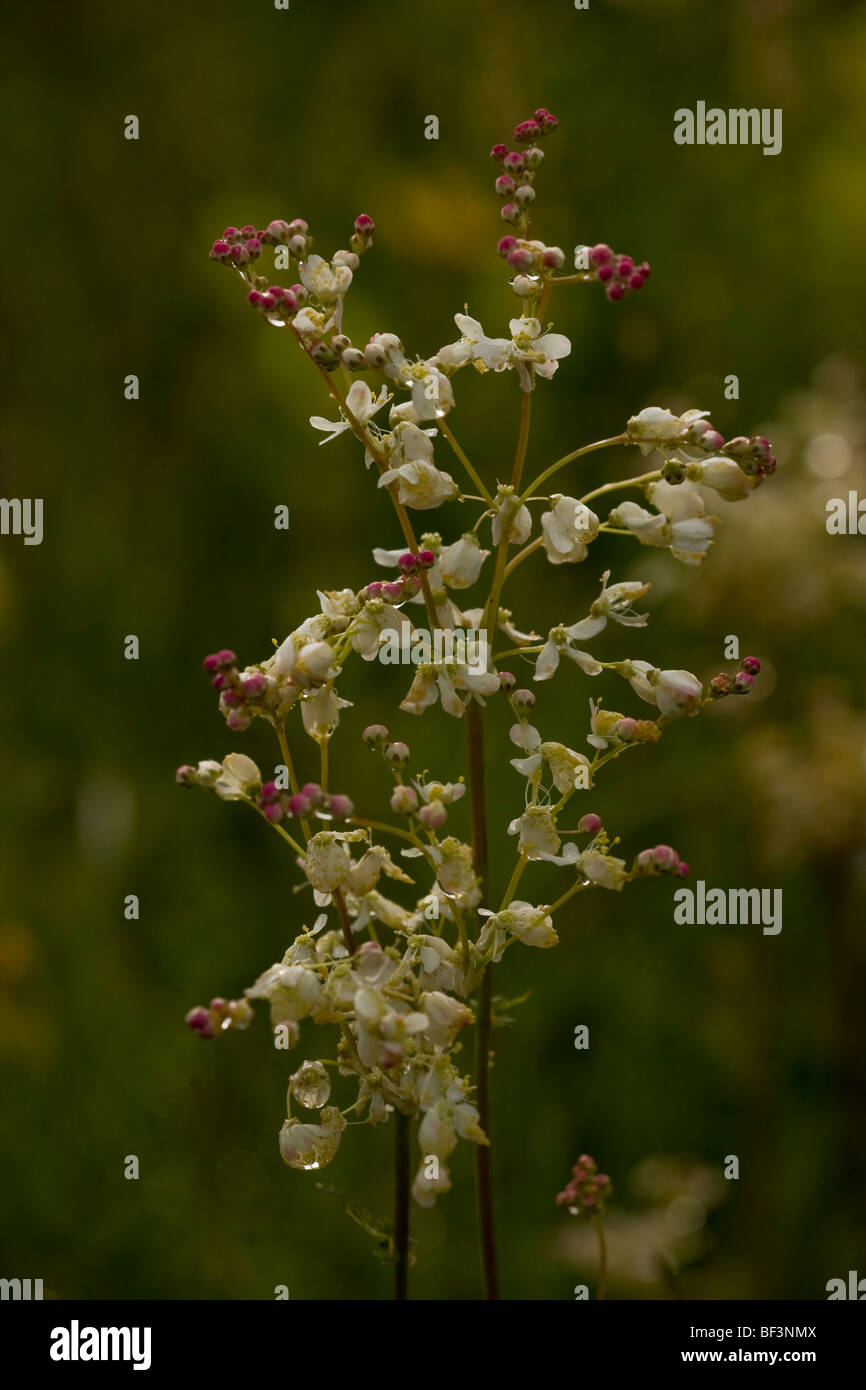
<point>587,1191</point>
<point>392,973</point>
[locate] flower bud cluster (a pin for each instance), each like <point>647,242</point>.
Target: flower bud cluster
<point>618,273</point>
<point>219,1017</point>
<point>244,694</point>
<point>740,683</point>
<point>660,860</point>
<point>515,184</point>
<point>587,1191</point>
<point>277,805</point>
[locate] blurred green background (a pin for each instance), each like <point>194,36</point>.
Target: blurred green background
<point>705,1041</point>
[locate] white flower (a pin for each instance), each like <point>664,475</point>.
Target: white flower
<point>455,870</point>
<point>321,712</point>
<point>327,282</point>
<point>312,1146</point>
<point>377,616</point>
<point>447,680</point>
<point>675,692</point>
<point>531,925</point>
<point>526,346</point>
<point>460,563</point>
<point>339,606</point>
<point>654,426</point>
<point>603,870</point>
<point>420,485</point>
<point>291,990</point>
<point>537,831</point>
<point>680,523</point>
<point>509,517</point>
<point>432,393</point>
<point>239,776</point>
<point>445,1015</point>
<point>725,477</point>
<point>362,404</point>
<point>559,643</point>
<point>563,763</point>
<point>566,528</point>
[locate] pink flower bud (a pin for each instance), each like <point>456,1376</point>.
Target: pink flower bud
<point>433,816</point>
<point>255,298</point>
<point>300,805</point>
<point>239,254</point>
<point>605,272</point>
<point>254,684</point>
<point>520,258</point>
<point>664,857</point>
<point>426,559</point>
<point>226,657</point>
<point>404,800</point>
<point>553,258</point>
<point>392,591</point>
<point>220,250</point>
<point>374,589</point>
<point>751,664</point>
<point>182,775</point>
<point>341,806</point>
<point>238,719</point>
<point>614,292</point>
<point>506,244</point>
<point>200,1021</point>
<point>407,563</point>
<point>600,254</point>
<point>635,281</point>
<point>274,811</point>
<point>683,869</point>
<point>525,195</point>
<point>364,224</point>
<point>509,212</point>
<point>507,682</point>
<point>278,231</point>
<point>499,152</point>
<point>231,233</point>
<point>270,791</point>
<point>411,586</point>
<point>313,792</point>
<point>523,699</point>
<point>743,683</point>
<point>504,185</point>
<point>515,162</point>
<point>624,265</point>
<point>590,824</point>
<point>232,699</point>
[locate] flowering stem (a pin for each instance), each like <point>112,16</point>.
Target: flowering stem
<point>513,882</point>
<point>483,1168</point>
<point>465,461</point>
<point>290,768</point>
<point>567,458</point>
<point>602,1256</point>
<point>401,1205</point>
<point>624,482</point>
<point>323,774</point>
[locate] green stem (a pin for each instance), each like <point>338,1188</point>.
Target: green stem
<point>624,482</point>
<point>466,462</point>
<point>567,458</point>
<point>602,1257</point>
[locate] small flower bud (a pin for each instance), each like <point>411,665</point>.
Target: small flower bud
<point>300,805</point>
<point>504,185</point>
<point>743,683</point>
<point>397,754</point>
<point>340,806</point>
<point>238,719</point>
<point>520,258</point>
<point>404,800</point>
<point>254,684</point>
<point>278,232</point>
<point>683,869</point>
<point>364,224</point>
<point>720,685</point>
<point>525,195</point>
<point>220,250</point>
<point>673,471</point>
<point>407,563</point>
<point>750,664</point>
<point>201,1021</point>
<point>553,258</point>
<point>605,273</point>
<point>614,292</point>
<point>354,360</point>
<point>426,559</point>
<point>433,815</point>
<point>600,254</point>
<point>523,700</point>
<point>392,590</point>
<point>507,682</point>
<point>374,589</point>
<point>376,355</point>
<point>499,152</point>
<point>510,212</point>
<point>590,824</point>
<point>410,586</point>
<point>313,792</point>
<point>533,156</point>
<point>506,244</point>
<point>515,162</point>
